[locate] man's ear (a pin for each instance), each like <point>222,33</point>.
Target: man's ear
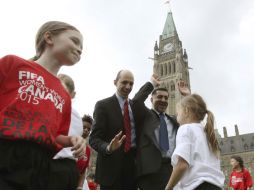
<point>115,82</point>
<point>48,38</point>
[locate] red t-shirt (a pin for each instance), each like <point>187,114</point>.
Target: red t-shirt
<point>34,106</point>
<point>92,185</point>
<point>240,180</point>
<point>82,164</point>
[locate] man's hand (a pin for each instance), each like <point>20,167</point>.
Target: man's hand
<point>183,88</point>
<point>155,80</point>
<point>116,142</point>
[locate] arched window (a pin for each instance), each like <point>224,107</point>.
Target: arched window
<point>246,147</point>
<point>168,87</point>
<point>165,69</point>
<point>172,86</point>
<point>156,67</point>
<point>174,67</point>
<point>169,68</point>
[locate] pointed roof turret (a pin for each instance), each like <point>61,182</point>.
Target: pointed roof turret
<point>156,46</point>
<point>185,56</point>
<point>169,27</point>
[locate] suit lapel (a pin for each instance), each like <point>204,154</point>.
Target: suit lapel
<point>173,121</point>
<point>116,109</point>
<point>154,122</point>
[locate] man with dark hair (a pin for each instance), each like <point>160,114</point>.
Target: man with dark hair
<point>157,141</point>
<point>159,89</point>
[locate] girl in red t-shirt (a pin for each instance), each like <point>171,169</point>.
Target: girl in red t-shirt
<point>35,111</point>
<point>240,178</point>
<point>82,163</point>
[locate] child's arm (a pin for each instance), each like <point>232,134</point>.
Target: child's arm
<point>81,180</point>
<point>177,173</point>
<point>77,143</point>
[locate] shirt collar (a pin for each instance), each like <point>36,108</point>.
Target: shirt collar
<point>158,112</point>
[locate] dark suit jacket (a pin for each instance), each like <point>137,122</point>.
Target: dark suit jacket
<point>108,121</point>
<point>149,157</point>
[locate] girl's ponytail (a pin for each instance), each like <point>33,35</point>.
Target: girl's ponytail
<point>210,134</point>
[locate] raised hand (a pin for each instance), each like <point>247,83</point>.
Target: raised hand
<point>116,142</point>
<point>155,80</point>
<point>183,88</point>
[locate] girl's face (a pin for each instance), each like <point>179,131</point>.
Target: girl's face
<point>67,47</point>
<point>86,129</point>
<point>234,163</point>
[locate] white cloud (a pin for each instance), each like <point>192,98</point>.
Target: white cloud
<point>247,27</point>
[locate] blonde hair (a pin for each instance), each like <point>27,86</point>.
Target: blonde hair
<point>67,80</point>
<point>55,28</point>
<point>197,107</point>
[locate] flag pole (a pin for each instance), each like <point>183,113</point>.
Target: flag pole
<point>168,5</point>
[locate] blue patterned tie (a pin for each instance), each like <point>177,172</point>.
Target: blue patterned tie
<point>163,134</point>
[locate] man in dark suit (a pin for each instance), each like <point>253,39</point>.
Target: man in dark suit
<point>155,146</point>
<point>114,136</point>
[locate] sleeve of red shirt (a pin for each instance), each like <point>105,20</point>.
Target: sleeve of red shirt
<point>66,119</point>
<point>88,153</point>
<point>230,184</point>
<point>5,66</point>
<point>248,180</point>
<point>83,164</point>
<point>92,185</point>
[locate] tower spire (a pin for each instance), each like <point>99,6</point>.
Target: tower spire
<point>171,62</point>
<point>169,29</point>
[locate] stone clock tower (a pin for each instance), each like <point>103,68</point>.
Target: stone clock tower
<point>171,62</point>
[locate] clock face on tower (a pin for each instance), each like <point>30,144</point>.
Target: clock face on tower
<point>168,47</point>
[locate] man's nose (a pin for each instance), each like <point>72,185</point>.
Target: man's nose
<point>128,86</point>
<point>79,51</point>
<point>164,99</point>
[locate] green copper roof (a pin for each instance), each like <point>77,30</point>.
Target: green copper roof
<point>169,27</point>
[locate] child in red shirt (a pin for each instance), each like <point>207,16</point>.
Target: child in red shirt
<point>83,163</point>
<point>91,184</point>
<point>240,178</point>
<point>35,109</point>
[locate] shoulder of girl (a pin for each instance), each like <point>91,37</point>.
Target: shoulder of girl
<point>184,128</point>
